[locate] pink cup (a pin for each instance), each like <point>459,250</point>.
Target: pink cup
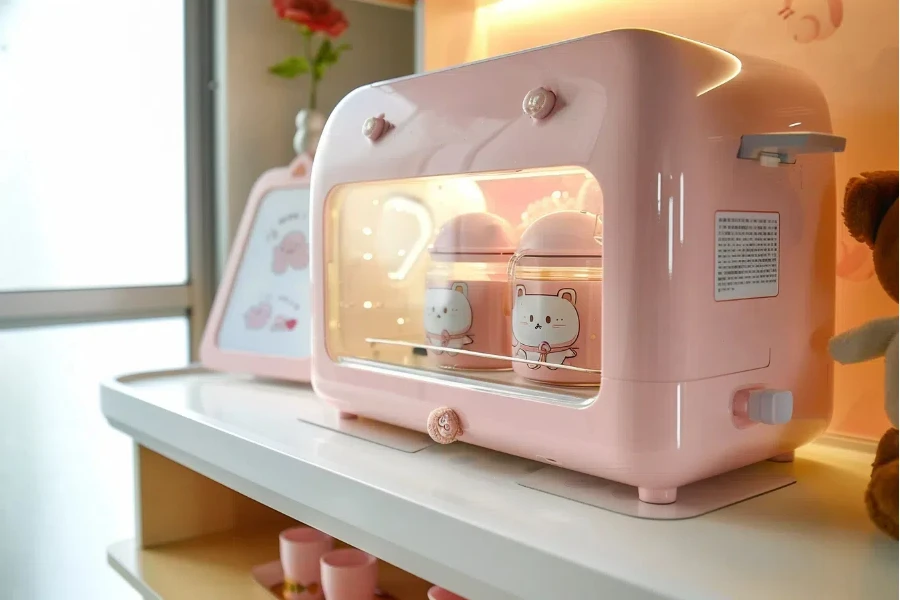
<point>301,548</point>
<point>439,593</point>
<point>349,574</point>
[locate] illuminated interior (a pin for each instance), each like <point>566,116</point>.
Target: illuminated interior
<point>392,293</point>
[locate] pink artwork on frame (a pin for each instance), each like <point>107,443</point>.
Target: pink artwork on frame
<point>283,323</point>
<point>258,315</point>
<point>260,320</point>
<point>291,253</point>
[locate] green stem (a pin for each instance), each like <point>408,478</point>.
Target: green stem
<point>313,80</point>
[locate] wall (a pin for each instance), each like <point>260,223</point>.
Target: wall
<point>855,64</point>
<point>256,110</point>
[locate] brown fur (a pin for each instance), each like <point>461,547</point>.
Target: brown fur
<point>871,215</point>
<point>882,492</point>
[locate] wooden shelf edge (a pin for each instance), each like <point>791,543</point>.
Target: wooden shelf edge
<point>220,566</point>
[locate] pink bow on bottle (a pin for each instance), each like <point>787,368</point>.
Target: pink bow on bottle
<point>545,349</point>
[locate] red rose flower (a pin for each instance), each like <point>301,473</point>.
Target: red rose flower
<point>317,15</point>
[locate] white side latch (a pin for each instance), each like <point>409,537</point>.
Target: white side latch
<point>772,149</point>
<point>769,159</point>
<point>772,407</point>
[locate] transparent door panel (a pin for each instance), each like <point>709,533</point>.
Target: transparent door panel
<point>489,278</point>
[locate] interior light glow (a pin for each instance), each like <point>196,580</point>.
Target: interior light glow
<point>426,226</point>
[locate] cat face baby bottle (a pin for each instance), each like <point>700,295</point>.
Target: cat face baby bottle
<point>466,289</point>
<point>557,278</point>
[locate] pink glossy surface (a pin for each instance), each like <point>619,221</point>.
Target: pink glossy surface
<point>291,253</point>
<point>565,233</point>
<point>301,549</point>
<point>349,574</point>
<point>663,147</point>
<point>475,233</point>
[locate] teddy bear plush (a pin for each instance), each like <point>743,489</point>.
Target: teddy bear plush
<point>870,213</point>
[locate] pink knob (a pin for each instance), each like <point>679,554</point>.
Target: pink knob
<point>444,425</point>
<point>374,127</point>
<point>539,103</point>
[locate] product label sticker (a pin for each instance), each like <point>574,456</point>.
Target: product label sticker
<point>746,255</point>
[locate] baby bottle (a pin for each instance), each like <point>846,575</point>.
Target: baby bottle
<point>557,292</point>
<point>467,286</point>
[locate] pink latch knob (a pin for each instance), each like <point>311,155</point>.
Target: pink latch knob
<point>539,103</point>
<point>374,127</point>
<point>444,426</point>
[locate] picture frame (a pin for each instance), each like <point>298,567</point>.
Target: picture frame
<point>260,321</point>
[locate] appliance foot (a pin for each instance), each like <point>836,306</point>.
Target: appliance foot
<point>784,457</point>
<point>657,495</point>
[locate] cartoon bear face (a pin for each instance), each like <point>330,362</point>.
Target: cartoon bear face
<point>539,318</point>
<point>292,252</point>
<point>448,309</point>
<point>258,315</point>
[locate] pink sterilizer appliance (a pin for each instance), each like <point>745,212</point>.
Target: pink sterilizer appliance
<point>635,231</point>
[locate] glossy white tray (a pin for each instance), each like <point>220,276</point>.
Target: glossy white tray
<point>694,500</point>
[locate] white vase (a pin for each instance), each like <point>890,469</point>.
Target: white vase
<point>310,124</point>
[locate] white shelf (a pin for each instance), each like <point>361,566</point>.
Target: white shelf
<point>454,515</point>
